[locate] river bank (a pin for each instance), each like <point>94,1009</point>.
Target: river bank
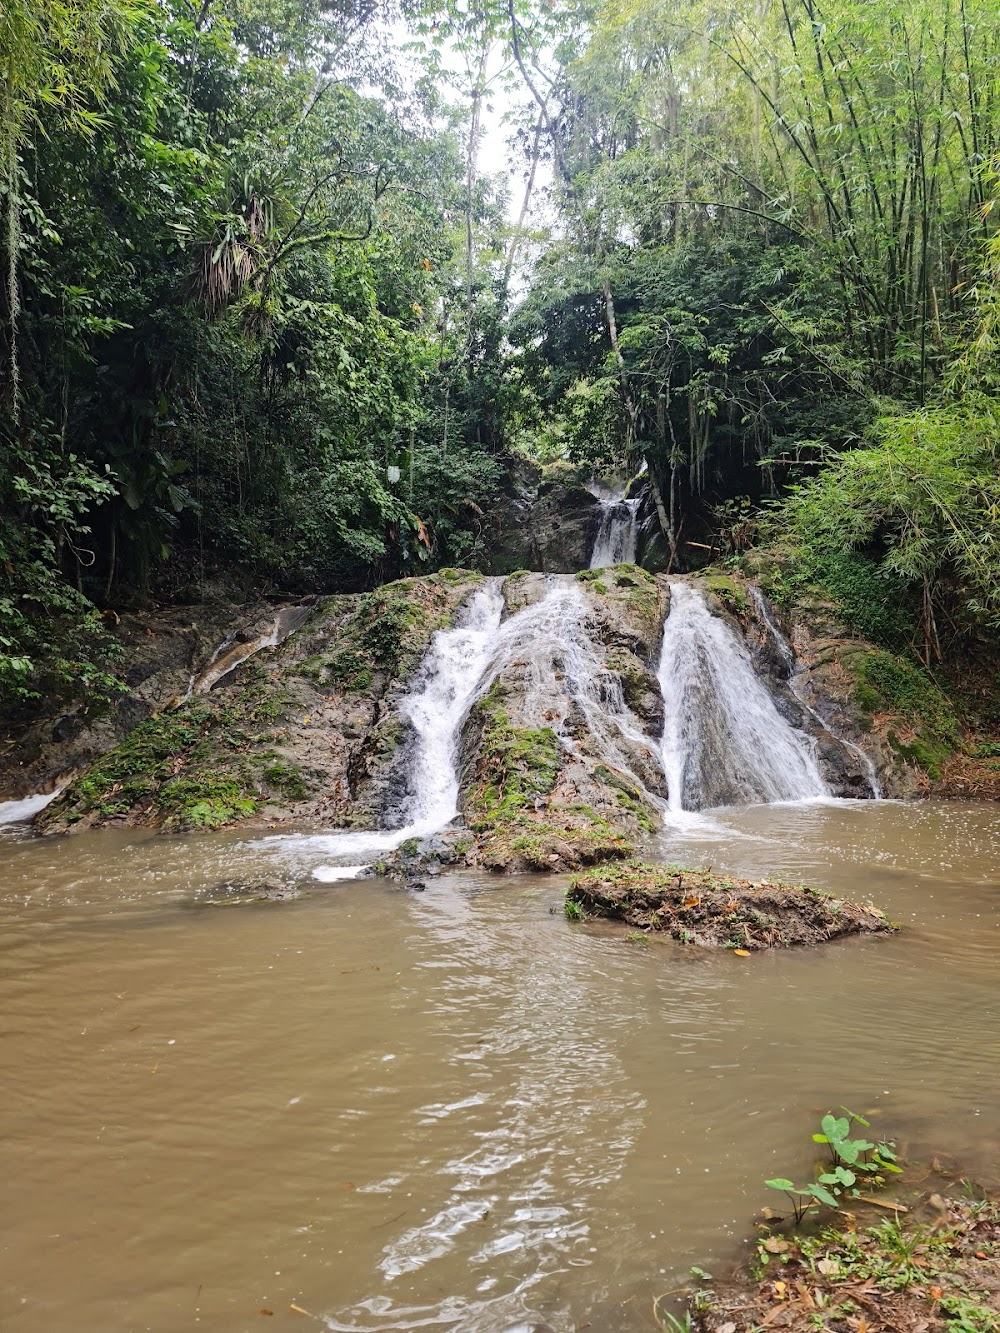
<point>931,1263</point>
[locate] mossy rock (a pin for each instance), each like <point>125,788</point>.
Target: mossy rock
<point>731,592</point>
<point>517,765</point>
<point>221,758</point>
<point>719,911</point>
<point>887,683</point>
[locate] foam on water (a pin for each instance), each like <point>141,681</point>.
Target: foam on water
<point>16,812</point>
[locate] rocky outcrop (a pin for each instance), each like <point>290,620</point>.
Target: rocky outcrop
<point>167,653</point>
<point>719,911</point>
<point>560,762</point>
<point>546,521</point>
<point>559,757</point>
<point>306,733</point>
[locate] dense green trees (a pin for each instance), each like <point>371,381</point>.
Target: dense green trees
<point>241,329</point>
<point>265,314</point>
<point>776,232</point>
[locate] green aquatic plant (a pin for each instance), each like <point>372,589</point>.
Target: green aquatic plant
<point>851,1159</point>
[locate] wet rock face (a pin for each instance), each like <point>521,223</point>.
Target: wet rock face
<point>546,523</point>
<point>306,733</point>
<point>560,761</point>
<point>165,651</point>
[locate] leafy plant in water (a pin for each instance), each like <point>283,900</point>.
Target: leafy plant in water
<point>851,1159</point>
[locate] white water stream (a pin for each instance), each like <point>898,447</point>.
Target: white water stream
<point>617,530</point>
<point>435,707</point>
<point>15,812</point>
<point>553,644</point>
<point>794,671</point>
<point>724,741</point>
<point>564,682</point>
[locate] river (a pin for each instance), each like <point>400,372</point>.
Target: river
<point>454,1109</point>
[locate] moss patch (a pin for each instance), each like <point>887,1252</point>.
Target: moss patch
<point>517,767</point>
<point>695,907</point>
<point>207,801</point>
<point>387,632</point>
<point>286,779</point>
<point>513,806</point>
<point>730,592</point>
<point>888,683</point>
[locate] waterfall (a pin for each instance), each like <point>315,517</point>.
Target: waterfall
<point>563,674</point>
<point>435,707</point>
<point>617,519</point>
<point>724,741</point>
<point>793,674</point>
<point>15,812</point>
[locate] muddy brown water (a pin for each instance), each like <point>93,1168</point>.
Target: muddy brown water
<point>455,1109</point>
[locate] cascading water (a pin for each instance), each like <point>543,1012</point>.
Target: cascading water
<point>793,672</point>
<point>435,708</point>
<point>20,811</point>
<point>724,741</point>
<point>552,644</point>
<point>617,530</point>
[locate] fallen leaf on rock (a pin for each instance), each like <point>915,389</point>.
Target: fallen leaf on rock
<point>775,1245</point>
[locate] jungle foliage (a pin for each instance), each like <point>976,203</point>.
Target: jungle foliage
<point>267,318</point>
<point>779,268</point>
<point>240,339</point>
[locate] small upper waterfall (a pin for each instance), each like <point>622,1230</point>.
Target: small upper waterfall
<point>617,519</point>
<point>724,741</point>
